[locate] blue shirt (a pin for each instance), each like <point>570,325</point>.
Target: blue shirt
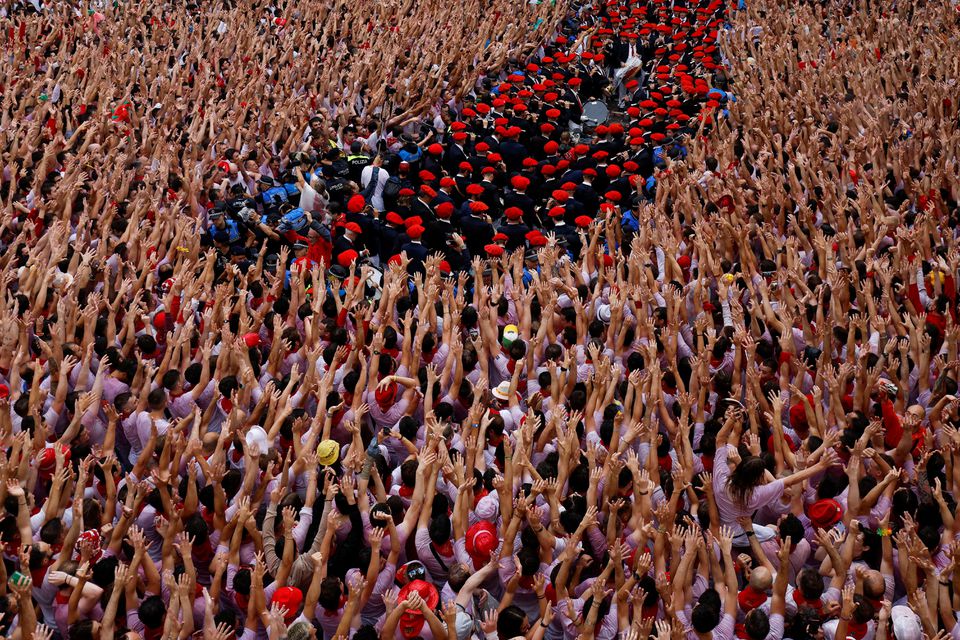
<point>230,227</point>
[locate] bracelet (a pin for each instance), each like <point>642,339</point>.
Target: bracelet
<point>541,597</point>
<point>749,533</point>
<point>544,626</point>
<point>642,493</point>
<point>884,532</point>
<point>376,353</point>
<point>847,619</point>
<point>946,584</point>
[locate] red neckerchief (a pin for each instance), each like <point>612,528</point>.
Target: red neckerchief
<point>750,599</point>
<point>803,602</point>
<point>666,462</point>
<point>445,549</point>
<point>522,383</point>
<point>707,462</point>
<point>405,491</point>
<point>857,630</point>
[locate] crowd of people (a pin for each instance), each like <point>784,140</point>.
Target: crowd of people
<point>580,319</point>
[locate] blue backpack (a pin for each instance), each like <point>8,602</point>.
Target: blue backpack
<point>294,220</point>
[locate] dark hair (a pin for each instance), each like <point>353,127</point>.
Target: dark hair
<point>745,478</point>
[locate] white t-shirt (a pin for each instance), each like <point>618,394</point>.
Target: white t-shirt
<point>376,200</point>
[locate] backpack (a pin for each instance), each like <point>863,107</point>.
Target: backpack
<point>293,220</point>
<point>392,188</point>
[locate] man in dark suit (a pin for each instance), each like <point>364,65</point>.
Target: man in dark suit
<point>416,252</point>
<point>477,230</point>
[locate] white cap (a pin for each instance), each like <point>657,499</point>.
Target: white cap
<point>906,624</point>
<point>257,436</point>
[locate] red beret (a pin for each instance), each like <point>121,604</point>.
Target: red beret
<point>394,218</point>
<point>590,172</point>
<point>538,241</point>
<point>347,258</point>
<point>613,196</point>
<point>474,189</point>
<point>406,192</point>
<point>447,181</point>
<point>551,148</point>
<point>479,207</point>
<point>426,176</point>
<point>487,170</point>
<point>458,126</point>
<point>415,231</point>
<point>630,166</point>
<point>560,195</point>
<point>529,162</point>
<point>459,136</point>
<point>500,237</point>
<point>354,227</point>
<point>557,212</point>
<point>582,221</point>
<point>548,169</point>
<point>465,166</point>
<point>412,221</point>
<point>435,149</point>
<point>613,171</point>
<point>444,209</point>
<point>513,213</point>
<point>493,250</point>
<point>483,108</point>
<point>356,203</point>
<point>495,157</point>
<point>520,182</point>
<point>428,191</point>
<point>482,147</point>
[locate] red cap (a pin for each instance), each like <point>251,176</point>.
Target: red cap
<point>481,540</point>
<point>387,394</point>
<point>551,148</point>
<point>412,621</point>
<point>474,189</point>
<point>444,210</point>
<point>353,226</point>
<point>560,195</point>
<point>557,212</point>
<point>447,181</point>
<point>493,250</point>
<point>465,166</point>
<point>435,149</point>
<point>513,213</point>
<point>394,218</point>
<point>824,513</point>
<point>347,258</point>
<point>406,192</point>
<point>613,196</point>
<point>583,221</point>
<point>479,207</point>
<point>290,598</point>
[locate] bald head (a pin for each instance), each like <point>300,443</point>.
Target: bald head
<point>873,584</point>
<point>761,579</point>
